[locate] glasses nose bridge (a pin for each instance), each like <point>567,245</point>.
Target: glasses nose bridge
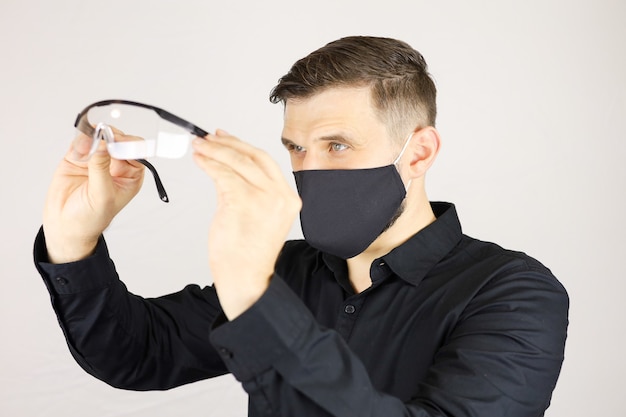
<point>103,132</point>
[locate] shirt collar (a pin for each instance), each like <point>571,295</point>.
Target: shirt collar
<point>412,260</point>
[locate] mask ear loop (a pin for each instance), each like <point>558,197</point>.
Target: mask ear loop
<point>104,132</point>
<point>406,144</point>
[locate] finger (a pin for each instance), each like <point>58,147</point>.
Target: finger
<point>225,179</point>
<point>248,161</point>
<point>80,148</point>
<point>120,136</point>
<point>126,168</point>
<point>226,162</point>
<point>100,180</point>
<point>116,131</point>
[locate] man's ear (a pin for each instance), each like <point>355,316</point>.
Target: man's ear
<point>423,149</point>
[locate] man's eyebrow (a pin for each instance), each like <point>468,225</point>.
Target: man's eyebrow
<point>338,138</point>
<point>287,142</point>
<point>328,138</point>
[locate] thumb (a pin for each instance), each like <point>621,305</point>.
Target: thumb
<point>100,181</point>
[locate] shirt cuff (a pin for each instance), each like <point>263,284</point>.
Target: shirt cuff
<point>91,273</point>
<point>257,338</point>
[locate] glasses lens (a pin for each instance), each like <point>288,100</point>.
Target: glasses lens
<point>138,133</point>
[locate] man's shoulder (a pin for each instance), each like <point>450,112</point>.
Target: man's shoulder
<point>501,262</point>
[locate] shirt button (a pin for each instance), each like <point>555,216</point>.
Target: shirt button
<point>349,309</point>
<point>382,263</point>
<point>61,281</point>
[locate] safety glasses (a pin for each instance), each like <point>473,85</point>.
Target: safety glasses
<point>136,131</point>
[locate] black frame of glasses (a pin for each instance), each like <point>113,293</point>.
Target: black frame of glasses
<point>82,124</point>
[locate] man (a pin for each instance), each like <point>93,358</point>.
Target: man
<point>385,309</point>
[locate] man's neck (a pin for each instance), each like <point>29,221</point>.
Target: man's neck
<point>417,215</point>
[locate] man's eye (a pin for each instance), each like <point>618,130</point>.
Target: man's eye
<point>338,147</point>
<point>292,147</point>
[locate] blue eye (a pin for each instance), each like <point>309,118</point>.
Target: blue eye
<point>338,147</point>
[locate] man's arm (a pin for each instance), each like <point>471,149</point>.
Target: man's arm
<point>125,340</point>
<point>118,337</point>
<point>502,359</point>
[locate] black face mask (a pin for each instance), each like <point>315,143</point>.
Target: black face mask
<point>344,211</point>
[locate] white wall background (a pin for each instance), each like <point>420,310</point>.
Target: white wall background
<point>532,108</point>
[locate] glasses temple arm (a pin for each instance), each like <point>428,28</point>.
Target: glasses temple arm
<point>157,180</point>
<point>181,122</point>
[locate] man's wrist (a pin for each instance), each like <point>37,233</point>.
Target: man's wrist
<point>236,300</point>
<point>69,250</point>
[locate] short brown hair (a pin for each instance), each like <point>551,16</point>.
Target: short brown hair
<point>403,91</point>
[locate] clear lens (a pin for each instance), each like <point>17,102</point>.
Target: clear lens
<point>138,133</point>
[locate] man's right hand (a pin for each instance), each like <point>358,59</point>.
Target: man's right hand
<point>83,199</point>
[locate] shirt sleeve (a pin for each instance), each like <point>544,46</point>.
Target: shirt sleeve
<point>502,359</point>
<point>125,340</point>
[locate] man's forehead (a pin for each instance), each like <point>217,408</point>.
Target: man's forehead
<point>337,106</point>
<point>344,114</point>
<point>361,92</point>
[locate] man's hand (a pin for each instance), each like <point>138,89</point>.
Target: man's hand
<point>255,210</point>
<point>83,198</point>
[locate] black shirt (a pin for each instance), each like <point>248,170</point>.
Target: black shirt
<point>451,326</point>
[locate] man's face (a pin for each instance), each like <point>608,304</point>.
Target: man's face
<point>336,129</point>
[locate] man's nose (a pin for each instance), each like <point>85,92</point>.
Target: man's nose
<point>310,161</point>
